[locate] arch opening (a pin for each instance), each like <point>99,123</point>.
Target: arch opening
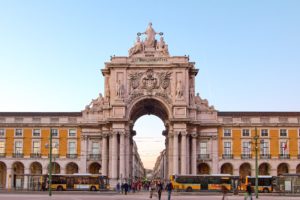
<point>227,168</point>
<point>94,168</point>
<point>3,169</point>
<point>245,170</point>
<point>71,168</point>
<point>203,168</point>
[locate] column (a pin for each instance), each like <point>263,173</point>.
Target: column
<point>175,152</point>
<point>215,155</point>
<point>114,174</point>
<point>8,178</point>
<point>127,155</point>
<point>183,153</point>
<point>26,172</point>
<point>83,156</point>
<point>104,155</point>
<point>122,155</point>
<point>110,155</point>
<point>170,155</point>
<point>188,155</point>
<point>194,154</point>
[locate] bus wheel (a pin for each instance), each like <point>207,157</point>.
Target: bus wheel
<point>189,189</point>
<point>93,188</point>
<point>59,188</point>
<point>266,190</point>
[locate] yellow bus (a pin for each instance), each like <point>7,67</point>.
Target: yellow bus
<point>92,182</point>
<point>265,183</point>
<point>212,182</point>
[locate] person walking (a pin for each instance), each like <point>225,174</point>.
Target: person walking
<point>159,188</point>
<point>224,191</point>
<point>126,187</point>
<point>249,191</point>
<point>151,188</point>
<point>169,188</point>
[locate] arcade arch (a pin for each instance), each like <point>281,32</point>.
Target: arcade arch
<point>71,168</point>
<point>245,170</point>
<point>3,172</point>
<point>203,168</point>
<point>94,168</point>
<point>282,168</point>
<point>227,168</point>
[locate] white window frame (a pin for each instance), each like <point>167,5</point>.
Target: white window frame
<point>55,147</point>
<point>205,149</point>
<point>16,132</point>
<point>224,148</point>
<point>2,130</point>
<point>247,146</point>
<point>4,150</point>
<point>287,133</point>
<point>248,132</point>
<point>34,130</point>
<point>75,150</point>
<point>55,136</point>
<point>32,150</point>
<point>261,132</point>
<point>283,151</point>
<point>98,147</point>
<point>15,146</point>
<point>225,132</point>
<point>72,136</point>
<point>262,148</point>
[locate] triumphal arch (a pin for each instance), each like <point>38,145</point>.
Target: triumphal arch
<point>150,81</point>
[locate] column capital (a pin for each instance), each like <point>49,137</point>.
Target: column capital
<point>194,135</point>
<point>183,133</point>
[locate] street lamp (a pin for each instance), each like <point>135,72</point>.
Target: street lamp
<point>50,164</point>
<point>256,137</point>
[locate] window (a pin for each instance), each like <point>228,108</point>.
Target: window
<point>36,133</point>
<point>36,147</point>
<point>283,147</point>
<point>283,133</point>
<point>227,148</point>
<point>227,132</point>
<point>2,147</point>
<point>203,148</point>
<point>247,148</point>
<point>2,132</point>
<point>72,132</point>
<point>264,133</point>
<point>55,147</point>
<point>264,147</point>
<point>19,132</point>
<point>18,147</point>
<point>54,132</point>
<point>72,147</point>
<point>246,132</point>
<point>95,148</point>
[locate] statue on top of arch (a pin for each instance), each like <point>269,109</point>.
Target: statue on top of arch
<point>150,43</point>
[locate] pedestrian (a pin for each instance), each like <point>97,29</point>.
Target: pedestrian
<point>169,188</point>
<point>249,191</point>
<point>126,187</point>
<point>118,187</point>
<point>151,188</point>
<point>159,188</point>
<point>224,191</point>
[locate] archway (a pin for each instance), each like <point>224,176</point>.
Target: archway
<point>298,169</point>
<point>94,168</point>
<point>227,168</point>
<point>203,168</point>
<point>18,175</point>
<point>245,170</point>
<point>282,169</point>
<point>34,179</point>
<point>55,168</point>
<point>71,168</point>
<point>2,174</point>
<point>36,168</point>
<point>264,169</point>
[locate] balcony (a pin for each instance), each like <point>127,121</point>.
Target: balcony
<point>72,156</point>
<point>18,155</point>
<point>54,155</point>
<point>35,155</point>
<point>203,156</point>
<point>284,156</point>
<point>298,156</point>
<point>246,156</point>
<point>265,156</point>
<point>2,155</point>
<point>227,156</point>
<point>94,157</point>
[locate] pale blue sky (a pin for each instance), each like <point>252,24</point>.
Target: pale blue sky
<point>51,52</point>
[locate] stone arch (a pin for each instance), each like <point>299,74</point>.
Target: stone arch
<point>18,170</point>
<point>36,168</point>
<point>227,168</point>
<point>245,170</point>
<point>55,168</point>
<point>203,168</point>
<point>146,105</point>
<point>94,168</point>
<point>282,168</point>
<point>3,171</point>
<point>298,169</point>
<point>264,169</point>
<point>72,168</point>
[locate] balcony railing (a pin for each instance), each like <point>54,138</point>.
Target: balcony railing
<point>94,157</point>
<point>246,156</point>
<point>72,156</point>
<point>18,155</point>
<point>203,156</point>
<point>265,156</point>
<point>35,155</point>
<point>298,156</point>
<point>2,155</point>
<point>284,156</point>
<point>54,155</point>
<point>227,156</point>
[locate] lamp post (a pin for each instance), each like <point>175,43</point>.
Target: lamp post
<point>256,137</point>
<point>50,165</point>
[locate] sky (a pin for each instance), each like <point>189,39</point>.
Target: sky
<point>247,52</point>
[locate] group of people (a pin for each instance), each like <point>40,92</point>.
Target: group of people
<point>158,186</point>
<point>248,193</point>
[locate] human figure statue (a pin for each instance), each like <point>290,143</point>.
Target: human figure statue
<point>138,47</point>
<point>150,40</point>
<point>162,46</point>
<point>119,89</point>
<point>179,89</point>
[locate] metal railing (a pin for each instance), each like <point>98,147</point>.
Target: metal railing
<point>203,156</point>
<point>284,156</point>
<point>35,155</point>
<point>94,157</point>
<point>54,155</point>
<point>72,155</point>
<point>246,156</point>
<point>2,155</point>
<point>227,156</point>
<point>18,155</point>
<point>265,156</point>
